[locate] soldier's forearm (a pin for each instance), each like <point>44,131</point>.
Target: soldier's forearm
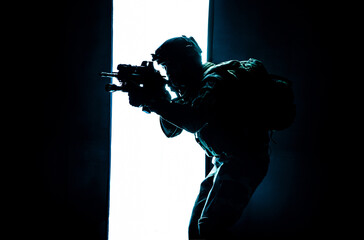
<point>183,116</point>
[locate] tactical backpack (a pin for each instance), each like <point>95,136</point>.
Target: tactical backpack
<point>267,98</point>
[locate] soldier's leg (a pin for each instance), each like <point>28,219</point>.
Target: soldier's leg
<point>233,187</point>
<point>205,188</point>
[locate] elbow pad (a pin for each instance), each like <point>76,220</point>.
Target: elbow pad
<point>169,129</point>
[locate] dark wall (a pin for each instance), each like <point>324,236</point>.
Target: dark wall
<point>292,39</point>
<point>68,137</point>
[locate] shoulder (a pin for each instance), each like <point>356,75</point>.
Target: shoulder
<point>215,73</point>
<point>219,75</point>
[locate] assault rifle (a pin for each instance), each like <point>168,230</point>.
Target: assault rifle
<point>129,76</point>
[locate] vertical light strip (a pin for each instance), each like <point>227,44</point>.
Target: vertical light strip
<point>154,180</point>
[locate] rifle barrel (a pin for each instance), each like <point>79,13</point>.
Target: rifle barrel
<point>106,74</point>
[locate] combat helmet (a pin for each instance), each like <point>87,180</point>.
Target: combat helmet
<point>177,48</point>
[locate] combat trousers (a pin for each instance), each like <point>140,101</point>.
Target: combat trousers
<point>224,194</point>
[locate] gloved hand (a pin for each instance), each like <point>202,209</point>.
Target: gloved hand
<point>144,97</point>
<point>137,97</point>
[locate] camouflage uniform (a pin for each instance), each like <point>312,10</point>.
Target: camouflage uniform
<point>237,142</point>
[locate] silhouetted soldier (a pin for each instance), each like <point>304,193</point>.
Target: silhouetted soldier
<point>226,119</point>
